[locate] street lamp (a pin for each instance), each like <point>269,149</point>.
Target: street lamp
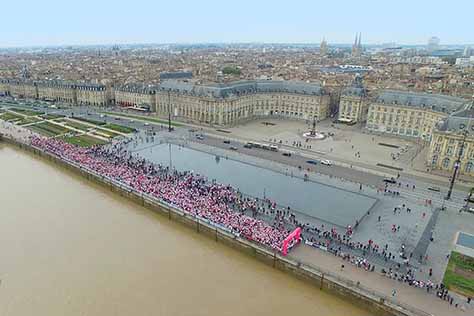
<point>457,164</point>
<point>169,111</point>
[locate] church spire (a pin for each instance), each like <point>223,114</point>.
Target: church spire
<point>360,37</point>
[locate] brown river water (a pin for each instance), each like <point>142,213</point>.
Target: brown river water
<point>69,247</point>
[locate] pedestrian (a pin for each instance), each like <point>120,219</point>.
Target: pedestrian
<point>342,267</point>
<point>469,300</point>
<point>394,292</point>
<point>431,272</point>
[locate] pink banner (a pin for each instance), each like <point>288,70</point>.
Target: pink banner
<point>296,234</point>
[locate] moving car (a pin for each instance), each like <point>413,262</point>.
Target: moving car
<point>200,137</point>
<point>312,162</point>
<point>326,162</point>
<point>435,189</point>
<point>226,141</point>
<point>233,148</point>
<point>390,180</point>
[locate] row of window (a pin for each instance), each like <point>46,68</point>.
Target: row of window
<point>447,163</point>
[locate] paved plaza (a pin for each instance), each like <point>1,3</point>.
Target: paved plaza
<point>348,142</point>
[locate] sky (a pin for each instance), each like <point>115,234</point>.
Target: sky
<point>69,22</point>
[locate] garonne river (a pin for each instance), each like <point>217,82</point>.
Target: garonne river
<point>70,247</point>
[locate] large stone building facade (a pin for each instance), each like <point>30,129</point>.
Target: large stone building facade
<point>91,94</point>
<point>453,138</point>
<point>219,104</point>
<point>20,88</point>
<point>410,114</point>
<point>136,96</point>
<point>353,103</point>
<point>237,102</point>
<point>57,90</point>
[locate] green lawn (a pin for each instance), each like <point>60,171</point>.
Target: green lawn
<point>79,126</point>
<point>49,129</point>
<point>51,116</point>
<point>120,128</point>
<point>8,116</point>
<point>83,140</point>
<point>144,118</point>
<point>27,120</point>
<point>459,275</point>
<point>41,131</point>
<point>89,121</point>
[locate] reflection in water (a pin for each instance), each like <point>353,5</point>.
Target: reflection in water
<point>68,247</point>
<point>336,206</point>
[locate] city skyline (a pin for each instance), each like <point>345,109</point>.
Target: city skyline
<point>52,23</point>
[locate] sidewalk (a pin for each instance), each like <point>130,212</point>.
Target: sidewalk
<point>416,297</point>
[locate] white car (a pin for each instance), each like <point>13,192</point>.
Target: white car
<point>326,162</point>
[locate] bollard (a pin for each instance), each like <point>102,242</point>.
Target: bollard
<point>322,281</point>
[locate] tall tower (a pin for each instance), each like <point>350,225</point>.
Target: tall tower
<point>357,46</point>
<point>323,48</point>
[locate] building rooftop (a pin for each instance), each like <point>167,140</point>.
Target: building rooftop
<point>458,121</point>
<point>356,88</point>
<point>436,102</point>
<point>242,88</point>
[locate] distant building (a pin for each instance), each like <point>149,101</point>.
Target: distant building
<point>410,114</point>
<point>176,75</point>
<point>433,43</point>
<point>467,51</point>
<point>353,104</point>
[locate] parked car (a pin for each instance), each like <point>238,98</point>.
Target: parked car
<point>200,137</point>
<point>233,148</point>
<point>287,154</point>
<point>312,162</point>
<point>226,141</point>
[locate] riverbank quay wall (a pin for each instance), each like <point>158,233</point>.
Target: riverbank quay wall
<point>372,301</point>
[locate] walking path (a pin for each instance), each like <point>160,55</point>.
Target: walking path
<point>415,297</point>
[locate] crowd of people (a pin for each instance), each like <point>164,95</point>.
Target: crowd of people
<point>192,193</point>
